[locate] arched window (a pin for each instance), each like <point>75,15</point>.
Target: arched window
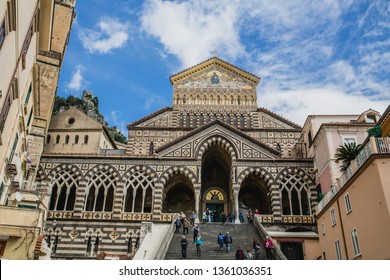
<point>139,191</point>
<point>86,139</point>
<point>67,139</point>
<point>76,139</point>
<point>63,193</point>
<point>57,139</point>
<point>181,120</point>
<point>100,192</point>
<point>295,196</point>
<point>48,139</point>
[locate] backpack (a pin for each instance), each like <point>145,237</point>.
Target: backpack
<point>220,238</point>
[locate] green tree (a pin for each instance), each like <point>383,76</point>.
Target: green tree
<point>346,153</point>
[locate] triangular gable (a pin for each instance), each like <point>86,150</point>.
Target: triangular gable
<point>244,147</point>
<point>160,118</point>
<point>268,119</point>
<point>230,76</point>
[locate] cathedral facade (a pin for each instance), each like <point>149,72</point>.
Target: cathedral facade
<point>212,149</point>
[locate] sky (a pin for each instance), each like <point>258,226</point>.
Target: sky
<point>313,56</point>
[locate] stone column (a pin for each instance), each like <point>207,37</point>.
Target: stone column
<point>197,201</point>
<point>236,190</point>
<point>119,198</point>
<point>276,203</point>
<point>158,199</point>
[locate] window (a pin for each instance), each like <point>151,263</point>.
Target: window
<point>48,139</point>
<point>348,138</point>
<point>29,117</point>
<point>332,217</point>
<point>57,139</point>
<point>1,188</point>
<point>295,196</point>
<point>86,139</point>
<point>67,139</point>
<point>28,94</point>
<point>338,250</point>
<point>323,229</point>
<point>76,139</point>
<point>370,119</point>
<point>2,32</point>
<point>355,242</point>
<point>347,203</point>
<point>11,156</point>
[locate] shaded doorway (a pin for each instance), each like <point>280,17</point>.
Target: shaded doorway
<point>254,194</point>
<point>216,180</point>
<point>178,195</point>
<point>292,250</point>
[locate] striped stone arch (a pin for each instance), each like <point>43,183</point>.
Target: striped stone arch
<point>174,170</point>
<point>260,172</point>
<point>140,168</point>
<point>41,174</point>
<point>101,167</point>
<point>67,167</point>
<point>294,171</point>
<point>219,141</point>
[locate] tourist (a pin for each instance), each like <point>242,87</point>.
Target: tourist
<point>239,254</point>
<point>195,231</point>
<point>248,255</point>
<point>178,225</point>
<point>228,240</point>
<point>193,218</point>
<point>198,243</point>
<point>256,248</point>
<point>241,217</point>
<point>186,225</point>
<point>204,217</point>
<point>184,243</point>
<point>268,245</point>
<point>220,241</point>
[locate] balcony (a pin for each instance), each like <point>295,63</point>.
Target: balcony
<point>14,221</point>
<point>374,146</point>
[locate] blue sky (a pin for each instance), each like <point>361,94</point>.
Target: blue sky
<point>313,56</point>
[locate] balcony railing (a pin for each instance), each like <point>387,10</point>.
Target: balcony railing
<point>374,146</point>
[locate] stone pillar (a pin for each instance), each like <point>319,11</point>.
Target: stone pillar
<point>119,198</point>
<point>236,190</point>
<point>197,201</point>
<point>276,206</point>
<point>158,199</point>
<point>92,248</point>
<point>80,200</point>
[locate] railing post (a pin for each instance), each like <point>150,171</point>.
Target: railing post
<point>374,147</point>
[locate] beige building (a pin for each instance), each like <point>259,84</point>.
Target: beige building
<point>33,40</point>
<point>214,148</point>
<point>353,218</point>
<point>323,134</point>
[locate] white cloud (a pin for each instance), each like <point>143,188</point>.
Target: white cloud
<point>77,79</point>
<point>154,100</point>
<point>118,122</point>
<point>309,53</point>
<point>297,104</point>
<point>192,30</point>
<point>111,34</point>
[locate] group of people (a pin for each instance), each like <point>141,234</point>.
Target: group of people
<point>225,241</point>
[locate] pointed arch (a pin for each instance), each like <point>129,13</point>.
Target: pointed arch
<point>174,170</point>
<point>216,140</point>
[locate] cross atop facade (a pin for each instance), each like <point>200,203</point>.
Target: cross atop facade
<point>214,52</point>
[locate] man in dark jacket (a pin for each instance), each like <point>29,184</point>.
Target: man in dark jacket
<point>228,240</point>
<point>184,243</point>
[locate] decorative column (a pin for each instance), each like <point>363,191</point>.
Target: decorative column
<point>236,191</point>
<point>80,200</point>
<point>158,200</point>
<point>119,198</point>
<point>276,203</point>
<point>197,200</point>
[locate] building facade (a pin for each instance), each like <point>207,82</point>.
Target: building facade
<point>354,217</point>
<point>33,39</point>
<point>214,148</point>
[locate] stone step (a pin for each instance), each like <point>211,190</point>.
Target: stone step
<point>242,235</point>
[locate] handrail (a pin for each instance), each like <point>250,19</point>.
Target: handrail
<point>165,243</point>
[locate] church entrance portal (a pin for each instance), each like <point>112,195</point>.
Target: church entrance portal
<point>216,182</point>
<point>179,195</point>
<point>254,194</point>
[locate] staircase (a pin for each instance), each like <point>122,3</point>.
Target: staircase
<point>242,235</point>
